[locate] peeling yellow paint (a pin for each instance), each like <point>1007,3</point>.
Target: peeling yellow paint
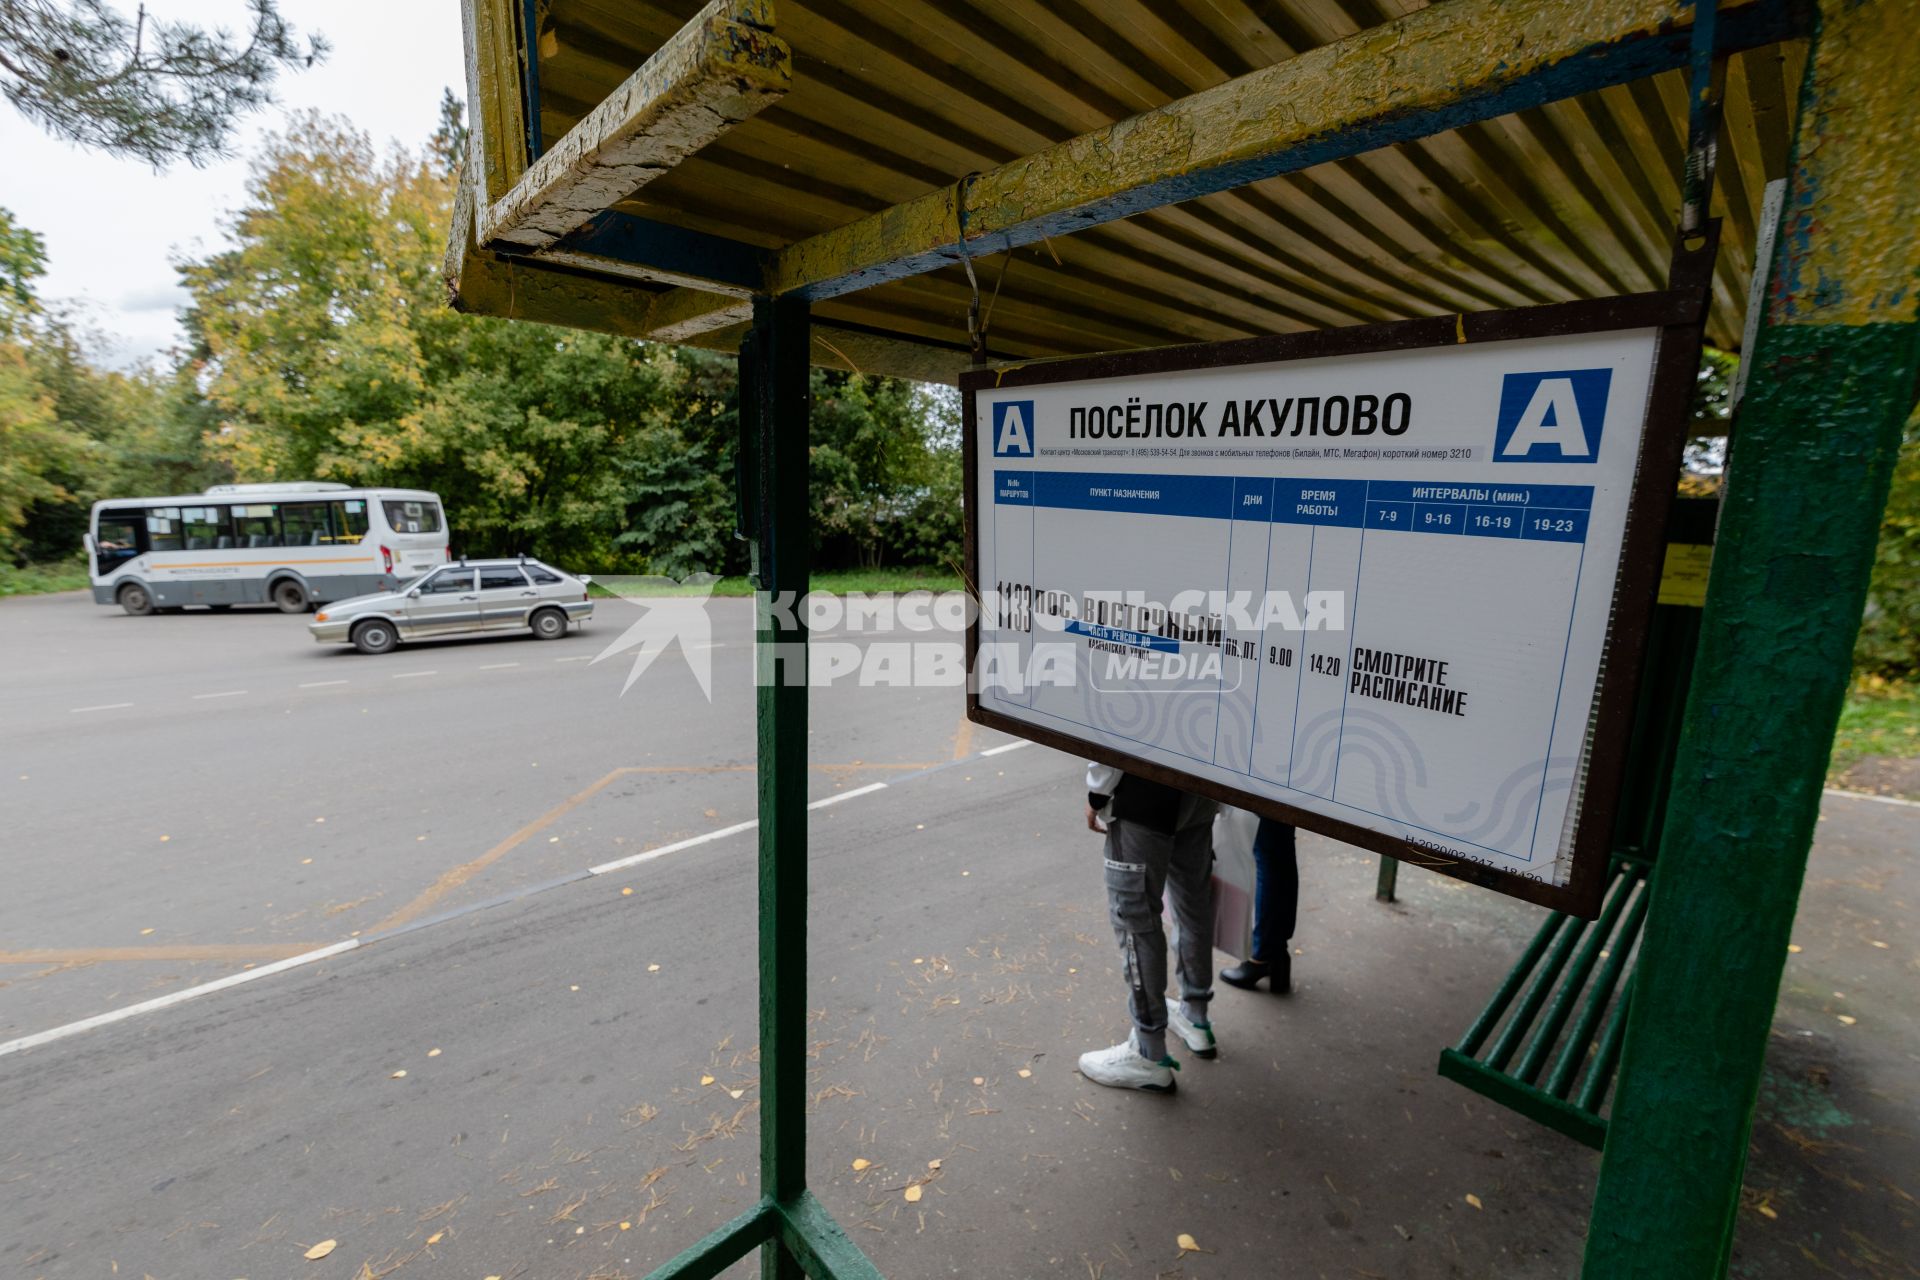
<point>1849,245</point>
<point>714,73</point>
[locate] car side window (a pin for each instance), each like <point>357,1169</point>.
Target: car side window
<point>543,577</point>
<point>499,579</point>
<point>449,581</point>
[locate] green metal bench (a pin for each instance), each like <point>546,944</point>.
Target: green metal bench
<point>1548,1042</point>
<point>1570,964</point>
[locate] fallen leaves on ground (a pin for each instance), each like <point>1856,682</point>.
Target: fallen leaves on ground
<point>912,1193</point>
<point>1474,1201</point>
<point>1189,1245</point>
<point>321,1250</point>
<point>398,1075</point>
<point>862,1163</point>
<point>706,1080</point>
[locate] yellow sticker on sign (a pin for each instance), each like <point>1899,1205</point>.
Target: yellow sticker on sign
<point>1683,580</point>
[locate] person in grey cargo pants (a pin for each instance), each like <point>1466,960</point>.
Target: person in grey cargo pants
<point>1159,841</point>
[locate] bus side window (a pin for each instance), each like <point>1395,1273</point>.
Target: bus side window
<point>207,528</point>
<point>163,529</point>
<point>350,520</point>
<point>304,524</point>
<point>256,525</point>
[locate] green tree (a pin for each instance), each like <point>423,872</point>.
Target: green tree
<point>332,354</point>
<point>154,90</point>
<point>1889,642</point>
<point>876,458</point>
<point>39,454</point>
<point>23,259</point>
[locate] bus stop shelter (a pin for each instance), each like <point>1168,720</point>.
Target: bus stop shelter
<point>910,188</point>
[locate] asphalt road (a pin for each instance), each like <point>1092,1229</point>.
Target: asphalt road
<point>213,791</point>
<point>564,1084</point>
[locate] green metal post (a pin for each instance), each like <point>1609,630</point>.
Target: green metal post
<point>1832,377</point>
<point>1389,874</point>
<point>779,387</point>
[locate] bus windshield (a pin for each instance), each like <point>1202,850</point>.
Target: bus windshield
<point>405,515</point>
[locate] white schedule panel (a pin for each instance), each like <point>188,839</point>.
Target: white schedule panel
<point>1371,589</point>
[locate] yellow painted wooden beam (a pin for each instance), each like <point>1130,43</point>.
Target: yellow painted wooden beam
<point>481,282</point>
<point>496,113</point>
<point>720,69</point>
<point>1849,246</point>
<point>1433,70</point>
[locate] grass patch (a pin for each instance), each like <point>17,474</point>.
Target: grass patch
<point>40,579</point>
<point>834,582</point>
<point>1881,718</point>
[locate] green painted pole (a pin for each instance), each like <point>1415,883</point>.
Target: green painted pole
<point>1832,377</point>
<point>778,387</point>
<point>1383,884</point>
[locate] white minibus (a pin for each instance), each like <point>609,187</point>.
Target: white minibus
<point>294,545</point>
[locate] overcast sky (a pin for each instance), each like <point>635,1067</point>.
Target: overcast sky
<point>111,225</point>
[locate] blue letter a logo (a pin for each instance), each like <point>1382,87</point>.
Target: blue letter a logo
<point>1552,417</point>
<point>1013,429</point>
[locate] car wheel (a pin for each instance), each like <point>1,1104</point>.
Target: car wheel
<point>548,624</point>
<point>375,636</point>
<point>135,599</point>
<point>289,596</point>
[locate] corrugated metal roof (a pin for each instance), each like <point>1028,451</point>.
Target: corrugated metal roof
<point>895,98</point>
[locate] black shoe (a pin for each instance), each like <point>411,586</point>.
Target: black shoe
<point>1248,974</point>
<point>1245,975</point>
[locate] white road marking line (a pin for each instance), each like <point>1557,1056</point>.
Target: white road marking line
<point>177,997</point>
<point>321,684</point>
<point>408,675</point>
<point>1862,795</point>
<point>105,706</point>
<point>605,868</point>
<point>230,693</point>
<point>1005,747</point>
<point>585,657</point>
<point>867,790</point>
<point>499,666</point>
<point>665,849</point>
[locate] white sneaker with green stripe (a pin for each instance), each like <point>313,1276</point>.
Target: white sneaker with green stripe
<point>1197,1036</point>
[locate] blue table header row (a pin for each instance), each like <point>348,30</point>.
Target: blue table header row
<point>1431,506</point>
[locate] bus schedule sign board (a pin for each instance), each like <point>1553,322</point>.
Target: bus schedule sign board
<point>1387,583</point>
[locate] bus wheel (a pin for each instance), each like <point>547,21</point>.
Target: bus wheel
<point>549,624</point>
<point>374,636</point>
<point>134,599</point>
<point>289,596</point>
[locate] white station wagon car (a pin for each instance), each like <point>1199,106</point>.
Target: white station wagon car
<point>471,596</point>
